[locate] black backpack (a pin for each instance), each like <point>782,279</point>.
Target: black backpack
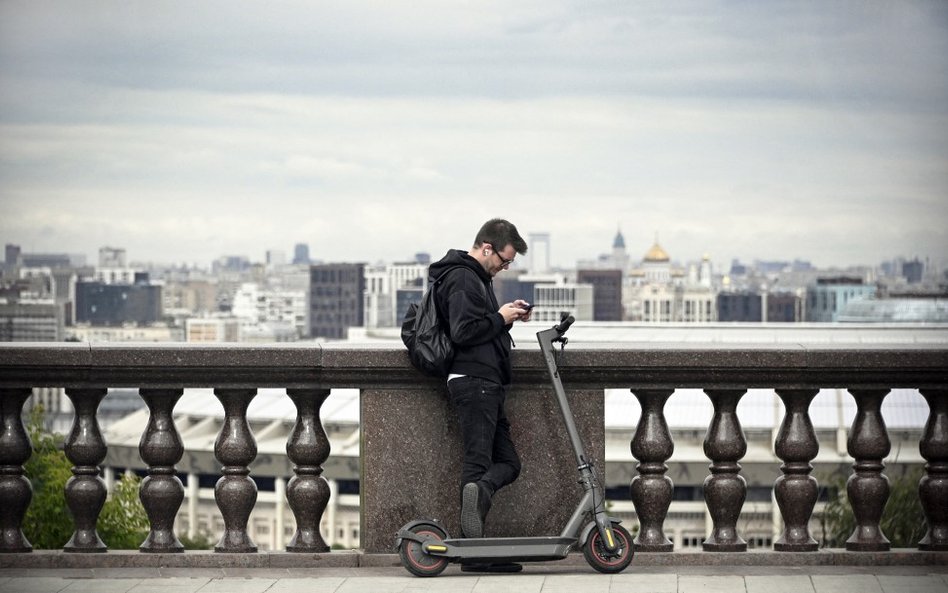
<point>429,345</point>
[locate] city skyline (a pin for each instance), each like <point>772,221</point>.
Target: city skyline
<point>371,132</point>
<point>599,260</point>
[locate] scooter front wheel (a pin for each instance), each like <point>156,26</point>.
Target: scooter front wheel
<point>596,554</point>
<point>414,558</point>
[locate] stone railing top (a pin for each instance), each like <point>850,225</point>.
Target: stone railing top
<point>615,365</point>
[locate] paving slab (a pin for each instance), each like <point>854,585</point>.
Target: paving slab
<point>307,585</point>
<point>630,582</point>
<point>379,584</point>
<point>520,583</point>
<point>711,584</point>
<point>101,585</point>
<point>238,585</point>
<point>778,584</point>
<point>846,583</point>
<point>34,585</point>
<point>912,584</point>
<point>449,582</point>
<point>536,578</point>
<point>571,583</point>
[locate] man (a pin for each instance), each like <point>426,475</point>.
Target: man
<point>480,373</point>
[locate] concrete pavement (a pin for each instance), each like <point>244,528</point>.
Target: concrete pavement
<point>537,578</point>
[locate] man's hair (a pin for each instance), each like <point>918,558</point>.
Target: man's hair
<point>500,233</point>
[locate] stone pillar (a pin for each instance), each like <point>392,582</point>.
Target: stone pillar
<point>85,490</point>
<point>652,490</point>
<point>161,491</point>
<point>796,490</point>
<point>411,462</point>
<point>307,492</point>
<point>725,489</point>
<point>235,448</point>
<point>868,487</point>
<point>933,487</point>
<point>16,492</point>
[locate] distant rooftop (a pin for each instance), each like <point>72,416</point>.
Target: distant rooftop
<point>744,333</point>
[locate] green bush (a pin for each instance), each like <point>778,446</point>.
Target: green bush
<point>201,541</point>
<point>903,521</point>
<point>48,525</point>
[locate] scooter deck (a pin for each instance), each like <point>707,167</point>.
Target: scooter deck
<point>511,549</point>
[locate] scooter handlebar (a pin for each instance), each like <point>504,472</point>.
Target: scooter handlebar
<point>564,325</point>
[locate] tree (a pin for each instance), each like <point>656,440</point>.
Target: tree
<point>47,524</point>
<point>903,521</point>
<point>123,523</point>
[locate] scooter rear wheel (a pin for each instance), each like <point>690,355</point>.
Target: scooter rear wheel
<point>414,558</point>
<point>601,559</point>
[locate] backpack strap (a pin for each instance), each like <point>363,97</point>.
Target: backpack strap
<point>442,276</point>
<point>445,273</point>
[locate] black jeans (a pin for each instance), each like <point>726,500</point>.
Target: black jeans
<point>489,453</point>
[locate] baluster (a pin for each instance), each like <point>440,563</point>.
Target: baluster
<point>308,491</point>
<point>725,490</point>
<point>85,490</point>
<point>16,492</point>
<point>235,492</point>
<point>933,487</point>
<point>652,490</point>
<point>796,490</point>
<point>161,491</point>
<point>868,487</point>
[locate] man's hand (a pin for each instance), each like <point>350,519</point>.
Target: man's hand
<point>519,310</point>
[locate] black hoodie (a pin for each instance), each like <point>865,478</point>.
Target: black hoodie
<point>466,300</point>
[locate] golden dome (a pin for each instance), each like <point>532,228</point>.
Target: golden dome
<point>656,254</point>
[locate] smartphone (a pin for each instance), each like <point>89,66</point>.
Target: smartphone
<point>526,307</point>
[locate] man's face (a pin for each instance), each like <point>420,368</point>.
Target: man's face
<point>500,259</point>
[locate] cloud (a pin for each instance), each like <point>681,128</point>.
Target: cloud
<point>189,130</point>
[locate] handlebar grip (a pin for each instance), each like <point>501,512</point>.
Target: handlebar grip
<point>564,325</point>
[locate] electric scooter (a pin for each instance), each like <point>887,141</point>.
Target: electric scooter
<point>426,549</point>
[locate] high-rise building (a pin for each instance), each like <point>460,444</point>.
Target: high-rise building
<point>30,321</point>
<point>256,305</point>
<point>389,289</point>
<point>12,254</point>
<point>336,299</point>
<point>112,257</point>
<point>552,300</point>
<point>301,254</point>
<point>538,252</point>
<point>275,258</point>
<point>829,296</point>
<point>742,306</point>
<point>116,304</point>
<point>913,271</point>
<point>550,294</point>
<point>607,293</point>
<point>784,307</point>
<point>620,258</point>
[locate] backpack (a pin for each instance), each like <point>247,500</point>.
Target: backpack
<point>429,345</point>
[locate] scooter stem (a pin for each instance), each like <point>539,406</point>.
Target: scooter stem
<point>546,339</point>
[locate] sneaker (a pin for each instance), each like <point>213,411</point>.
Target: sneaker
<point>472,510</point>
<point>495,567</point>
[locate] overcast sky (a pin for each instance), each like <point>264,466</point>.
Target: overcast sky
<point>184,131</point>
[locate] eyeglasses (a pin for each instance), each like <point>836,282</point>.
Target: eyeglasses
<point>504,262</point>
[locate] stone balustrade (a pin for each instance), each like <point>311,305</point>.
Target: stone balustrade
<point>409,439</point>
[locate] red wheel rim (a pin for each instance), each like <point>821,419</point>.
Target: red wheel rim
<point>597,545</point>
<point>415,553</point>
